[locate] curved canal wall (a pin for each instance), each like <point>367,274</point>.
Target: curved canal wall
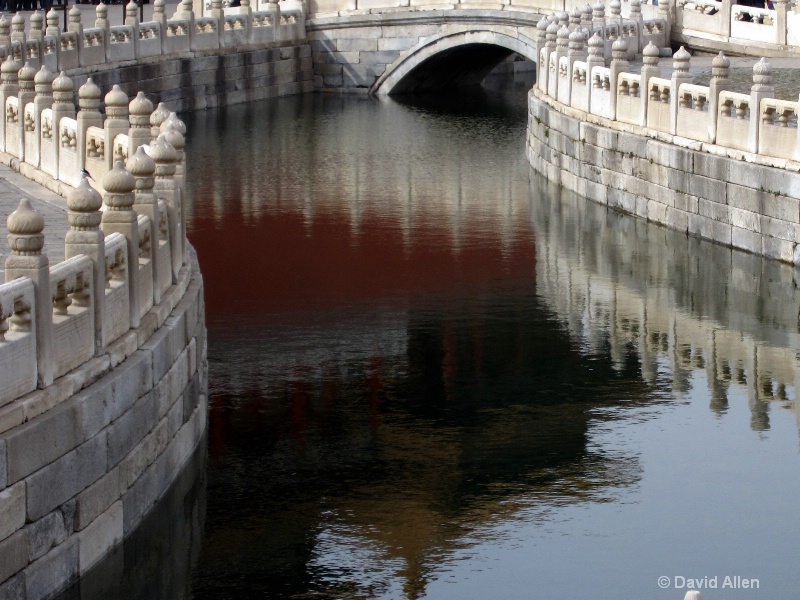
<point>705,160</point>
<point>102,354</point>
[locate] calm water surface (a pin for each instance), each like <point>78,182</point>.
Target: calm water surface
<point>433,375</point>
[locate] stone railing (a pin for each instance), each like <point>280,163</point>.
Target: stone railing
<point>102,355</point>
<point>121,261</point>
<point>45,44</point>
<point>753,122</point>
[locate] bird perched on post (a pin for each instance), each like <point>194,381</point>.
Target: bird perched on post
<point>85,173</point>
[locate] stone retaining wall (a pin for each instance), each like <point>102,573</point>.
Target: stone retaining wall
<point>79,477</point>
<point>204,81</point>
<point>737,199</point>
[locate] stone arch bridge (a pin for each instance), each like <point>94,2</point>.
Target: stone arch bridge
<point>395,52</point>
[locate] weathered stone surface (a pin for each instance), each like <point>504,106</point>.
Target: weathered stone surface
<point>64,478</point>
<point>53,571</point>
<point>12,509</point>
<point>46,533</point>
<point>97,498</point>
<point>125,432</point>
<point>14,554</point>
<point>14,588</point>
<point>3,465</point>
<point>100,537</point>
<point>43,440</point>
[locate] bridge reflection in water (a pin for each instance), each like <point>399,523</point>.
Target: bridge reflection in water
<point>432,375</point>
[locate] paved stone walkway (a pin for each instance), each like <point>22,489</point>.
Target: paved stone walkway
<point>14,187</point>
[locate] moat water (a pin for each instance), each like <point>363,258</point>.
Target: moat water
<point>434,375</point>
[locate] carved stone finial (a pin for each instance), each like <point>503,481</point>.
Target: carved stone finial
<point>89,95</point>
<point>140,109</point>
<point>599,10</point>
<point>9,70</point>
<point>562,39</point>
<point>552,31</point>
<point>53,21</point>
<point>5,25</point>
<point>159,8</point>
<point>143,168</point>
<point>615,8</point>
<point>132,11</point>
<point>586,12</point>
<point>116,103</point>
<point>165,156</point>
<point>596,46</point>
<point>84,204</point>
<point>173,137</point>
<point>175,122</point>
<point>18,23</point>
<point>74,14</point>
<point>650,55</point>
<point>680,60</point>
<point>63,89</point>
<point>118,185</point>
<point>636,9</point>
<point>26,77</point>
<point>720,66</point>
<point>619,49</point>
<point>576,41</point>
<point>762,72</point>
<point>43,81</point>
<point>37,21</point>
<point>575,18</point>
<point>563,18</point>
<point>159,115</point>
<point>25,227</point>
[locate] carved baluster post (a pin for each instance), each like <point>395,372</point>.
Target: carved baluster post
<point>63,106</point>
<point>247,11</point>
<point>173,131</point>
<point>619,64</point>
<point>586,16</point>
<point>541,61</point>
<point>85,237</point>
<point>762,88</point>
<point>27,94</point>
<point>274,10</point>
<point>116,122</point>
<point>576,53</point>
<point>562,44</point>
<point>89,95</point>
<point>615,10</point>
<point>5,31</point>
<point>18,35</point>
<point>575,19</point>
<point>8,88</point>
<point>595,59</point>
<point>140,109</point>
<point>650,69</point>
<point>680,74</point>
<point>551,35</point>
<point>26,241</point>
<point>666,12</point>
<point>636,16</point>
<point>43,82</point>
<point>75,26</point>
<point>120,217</point>
<point>143,168</point>
<point>54,29</point>
<point>37,35</point>
<point>160,16</point>
<point>599,17</point>
<point>101,22</point>
<point>165,189</point>
<point>132,19</point>
<point>186,11</point>
<point>781,22</point>
<point>720,82</point>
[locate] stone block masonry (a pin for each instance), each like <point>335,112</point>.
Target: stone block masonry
<point>79,478</point>
<point>226,77</point>
<point>735,199</point>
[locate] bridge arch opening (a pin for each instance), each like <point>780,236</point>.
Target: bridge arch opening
<point>462,66</point>
<point>450,62</point>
